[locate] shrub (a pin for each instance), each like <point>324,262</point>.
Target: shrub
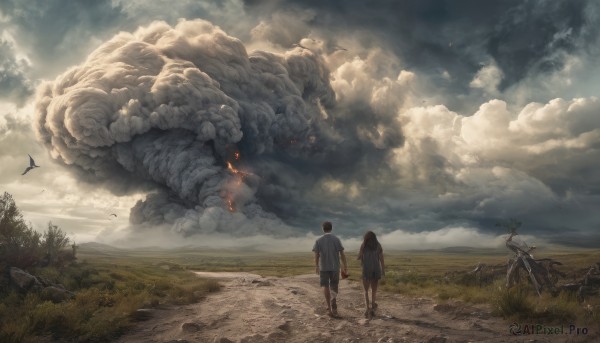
<point>19,243</point>
<point>513,302</point>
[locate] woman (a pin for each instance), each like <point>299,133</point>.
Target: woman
<point>373,268</point>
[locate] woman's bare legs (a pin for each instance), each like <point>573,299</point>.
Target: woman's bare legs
<point>366,285</point>
<point>374,284</point>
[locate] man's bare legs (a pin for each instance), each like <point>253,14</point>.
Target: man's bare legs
<point>333,292</point>
<point>327,298</point>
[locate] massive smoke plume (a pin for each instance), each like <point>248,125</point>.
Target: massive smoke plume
<point>224,140</point>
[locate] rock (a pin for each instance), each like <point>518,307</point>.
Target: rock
<point>142,314</point>
<point>222,340</point>
<point>285,326</point>
<point>56,294</point>
<point>44,281</point>
<point>437,339</point>
<point>363,321</point>
<point>325,335</point>
<point>294,291</point>
<point>191,327</point>
<point>443,308</point>
<point>276,336</point>
<point>23,280</point>
<point>261,283</point>
<point>339,327</point>
<point>253,339</point>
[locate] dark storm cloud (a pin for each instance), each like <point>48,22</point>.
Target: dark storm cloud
<point>459,37</point>
<point>55,33</point>
<point>171,106</point>
<point>382,149</point>
<point>14,84</point>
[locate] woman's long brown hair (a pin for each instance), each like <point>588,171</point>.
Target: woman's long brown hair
<point>370,241</point>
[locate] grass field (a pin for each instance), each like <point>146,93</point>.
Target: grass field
<point>112,283</point>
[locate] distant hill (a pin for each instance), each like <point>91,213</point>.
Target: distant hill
<point>98,248</point>
<point>105,249</point>
<point>462,250</point>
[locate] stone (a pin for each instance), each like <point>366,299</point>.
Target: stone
<point>56,294</point>
<point>277,336</point>
<point>437,339</point>
<point>23,280</point>
<point>222,340</point>
<point>253,339</point>
<point>191,327</point>
<point>285,326</point>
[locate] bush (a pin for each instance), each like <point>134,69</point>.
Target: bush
<point>21,246</point>
<point>513,302</point>
<point>55,240</point>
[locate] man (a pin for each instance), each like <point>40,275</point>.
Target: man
<point>328,249</point>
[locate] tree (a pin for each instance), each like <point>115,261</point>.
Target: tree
<point>55,240</point>
<point>19,243</point>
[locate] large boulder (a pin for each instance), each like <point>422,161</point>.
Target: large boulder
<point>23,280</point>
<point>56,294</point>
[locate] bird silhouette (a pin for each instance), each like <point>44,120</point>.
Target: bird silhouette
<point>112,214</point>
<point>31,165</point>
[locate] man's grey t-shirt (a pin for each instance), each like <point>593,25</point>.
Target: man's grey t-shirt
<point>328,246</point>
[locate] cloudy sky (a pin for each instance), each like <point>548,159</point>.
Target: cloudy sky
<point>250,122</point>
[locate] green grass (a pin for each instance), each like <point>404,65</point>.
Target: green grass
<point>424,274</point>
<point>111,283</point>
<point>108,291</point>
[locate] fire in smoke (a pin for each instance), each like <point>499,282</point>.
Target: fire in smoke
<point>239,176</point>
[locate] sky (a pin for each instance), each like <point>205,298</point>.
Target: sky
<point>249,123</point>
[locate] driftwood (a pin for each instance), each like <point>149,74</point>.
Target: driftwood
<point>589,285</point>
<point>486,274</point>
<point>541,273</point>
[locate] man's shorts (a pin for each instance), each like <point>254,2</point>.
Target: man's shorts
<point>329,279</point>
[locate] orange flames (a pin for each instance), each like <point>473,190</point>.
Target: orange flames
<point>230,203</point>
<point>239,176</point>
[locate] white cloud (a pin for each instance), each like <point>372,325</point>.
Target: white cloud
<point>488,78</point>
<point>394,240</point>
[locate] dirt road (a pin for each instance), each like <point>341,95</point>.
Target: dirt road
<point>250,309</point>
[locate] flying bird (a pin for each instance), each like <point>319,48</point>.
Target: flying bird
<point>337,47</point>
<point>112,214</point>
<point>31,165</point>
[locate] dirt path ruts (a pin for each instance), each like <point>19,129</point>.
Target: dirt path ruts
<point>250,308</point>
